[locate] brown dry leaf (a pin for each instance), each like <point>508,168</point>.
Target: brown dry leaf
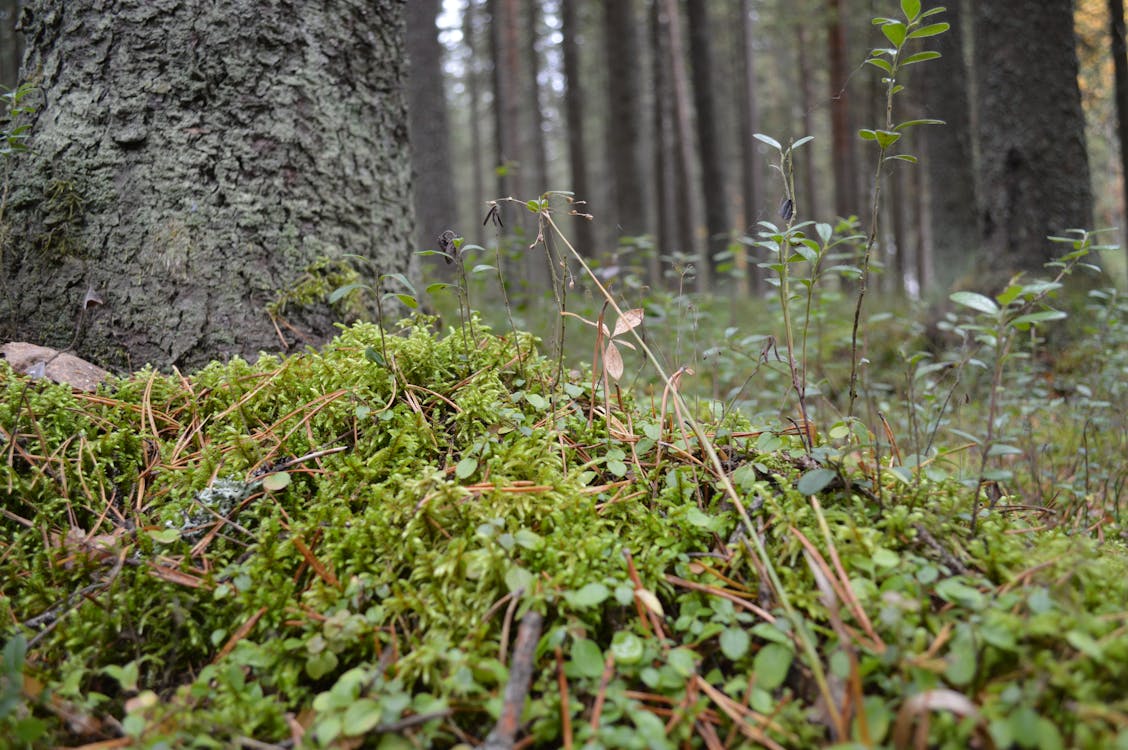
<point>613,361</point>
<point>629,320</point>
<point>931,700</point>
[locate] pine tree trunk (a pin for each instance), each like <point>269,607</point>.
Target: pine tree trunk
<point>844,164</point>
<point>950,165</point>
<point>432,181</point>
<point>624,129</point>
<point>717,224</point>
<point>574,116</point>
<point>1033,167</point>
<point>1120,71</point>
<point>189,162</point>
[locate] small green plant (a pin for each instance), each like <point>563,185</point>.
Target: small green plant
<point>890,61</point>
<point>999,327</point>
<point>14,132</point>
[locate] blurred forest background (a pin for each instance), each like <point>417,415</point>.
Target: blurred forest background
<point>646,109</point>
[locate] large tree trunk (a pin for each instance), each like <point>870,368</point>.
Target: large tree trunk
<point>1120,72</point>
<point>624,128</point>
<point>717,224</point>
<point>846,201</point>
<point>751,163</point>
<point>189,162</point>
<point>1033,168</point>
<point>478,167</point>
<point>949,161</point>
<point>432,178</point>
<point>574,116</point>
<point>690,223</point>
<point>11,43</point>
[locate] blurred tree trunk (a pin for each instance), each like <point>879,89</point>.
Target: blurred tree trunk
<point>473,91</point>
<point>950,165</point>
<point>751,166</point>
<point>717,224</point>
<point>11,44</point>
<point>844,165</point>
<point>536,174</point>
<point>506,105</point>
<point>690,224</point>
<point>187,179</point>
<point>431,169</point>
<point>669,214</point>
<point>808,199</point>
<point>1120,67</point>
<point>1033,168</point>
<point>624,121</point>
<point>574,115</point>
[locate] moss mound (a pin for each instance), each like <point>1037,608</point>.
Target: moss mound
<point>343,548</point>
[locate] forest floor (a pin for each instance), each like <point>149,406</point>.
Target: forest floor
<point>420,539</point>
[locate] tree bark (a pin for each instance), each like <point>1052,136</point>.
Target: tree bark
<point>574,116</point>
<point>690,224</point>
<point>1033,168</point>
<point>751,163</point>
<point>844,164</point>
<point>1120,70</point>
<point>950,162</point>
<point>717,225</point>
<point>11,44</point>
<point>624,129</point>
<point>187,162</point>
<point>473,89</point>
<point>432,181</point>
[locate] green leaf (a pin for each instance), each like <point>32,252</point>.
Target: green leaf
<point>771,665</point>
<point>587,659</point>
<point>884,65</point>
<point>895,32</point>
<point>482,267</point>
<point>340,292</point>
<point>627,648</point>
<point>165,536</point>
<point>438,286</point>
<point>590,595</point>
<point>517,578</point>
<point>279,480</point>
<point>466,467</point>
<point>1037,317</point>
<point>975,301</point>
<point>768,140</point>
<point>1085,643</point>
<point>902,157</point>
<point>920,57</point>
<point>914,123</point>
<point>802,141</point>
<point>735,643</point>
<point>930,30</point>
<point>885,558</point>
<point>867,135</point>
<point>956,591</point>
<point>401,279</point>
<point>361,717</point>
<point>911,9</point>
<point>886,138</point>
<point>408,300</point>
<point>683,661</point>
<point>814,481</point>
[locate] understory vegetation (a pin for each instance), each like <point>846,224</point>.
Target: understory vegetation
<point>787,521</point>
<point>339,548</point>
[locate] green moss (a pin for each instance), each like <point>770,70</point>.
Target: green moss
<point>148,555</point>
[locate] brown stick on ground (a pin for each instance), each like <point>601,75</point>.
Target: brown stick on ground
<point>520,674</point>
